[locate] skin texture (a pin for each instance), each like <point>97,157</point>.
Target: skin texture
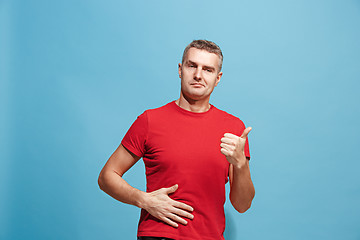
<point>242,190</point>
<point>199,74</point>
<point>157,203</point>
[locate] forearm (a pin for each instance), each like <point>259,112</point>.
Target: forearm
<point>114,185</point>
<point>157,203</point>
<point>242,190</point>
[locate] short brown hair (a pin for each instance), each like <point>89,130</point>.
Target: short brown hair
<point>206,45</point>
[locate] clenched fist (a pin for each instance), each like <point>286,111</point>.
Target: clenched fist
<point>232,147</point>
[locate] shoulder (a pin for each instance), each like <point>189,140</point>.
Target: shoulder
<point>233,123</point>
<point>226,115</point>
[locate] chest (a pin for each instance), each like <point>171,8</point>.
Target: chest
<point>186,146</point>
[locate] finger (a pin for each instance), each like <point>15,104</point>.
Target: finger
<point>227,140</point>
<point>231,136</point>
<point>246,132</point>
<point>176,218</point>
<point>227,146</point>
<point>183,206</point>
<point>183,213</point>
<point>171,189</point>
<point>225,152</point>
<point>168,221</point>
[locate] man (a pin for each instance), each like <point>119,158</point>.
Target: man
<point>190,150</point>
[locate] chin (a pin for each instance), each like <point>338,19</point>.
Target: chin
<point>197,96</point>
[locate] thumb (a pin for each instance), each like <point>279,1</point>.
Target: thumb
<point>246,132</point>
<point>172,189</point>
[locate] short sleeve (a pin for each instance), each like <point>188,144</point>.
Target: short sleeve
<point>246,147</point>
<point>136,136</point>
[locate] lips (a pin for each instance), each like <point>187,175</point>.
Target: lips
<point>197,84</point>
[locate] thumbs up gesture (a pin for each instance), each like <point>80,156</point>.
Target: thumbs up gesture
<point>232,147</point>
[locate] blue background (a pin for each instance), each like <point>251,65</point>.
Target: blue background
<point>76,74</point>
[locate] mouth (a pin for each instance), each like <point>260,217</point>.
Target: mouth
<point>197,85</point>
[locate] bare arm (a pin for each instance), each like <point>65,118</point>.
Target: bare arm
<point>242,190</point>
<point>111,181</point>
<point>157,203</point>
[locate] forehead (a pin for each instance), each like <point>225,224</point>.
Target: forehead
<point>202,57</point>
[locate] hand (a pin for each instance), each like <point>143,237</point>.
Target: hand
<point>232,147</point>
<point>161,206</point>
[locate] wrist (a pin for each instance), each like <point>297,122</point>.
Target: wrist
<point>241,163</point>
<point>140,199</point>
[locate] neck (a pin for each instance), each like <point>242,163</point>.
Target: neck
<point>191,105</point>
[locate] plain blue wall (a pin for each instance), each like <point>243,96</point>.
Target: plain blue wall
<point>75,75</point>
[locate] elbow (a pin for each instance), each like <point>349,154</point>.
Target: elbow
<point>243,207</point>
<point>106,179</point>
<point>101,181</point>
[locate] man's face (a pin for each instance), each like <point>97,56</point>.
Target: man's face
<point>199,74</point>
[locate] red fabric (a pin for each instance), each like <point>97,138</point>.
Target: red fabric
<point>182,147</point>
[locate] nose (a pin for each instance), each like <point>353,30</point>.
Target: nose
<point>197,74</point>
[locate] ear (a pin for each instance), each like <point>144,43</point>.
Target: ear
<point>218,78</point>
<point>180,70</point>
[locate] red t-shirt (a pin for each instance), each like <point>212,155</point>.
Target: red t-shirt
<point>183,147</point>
